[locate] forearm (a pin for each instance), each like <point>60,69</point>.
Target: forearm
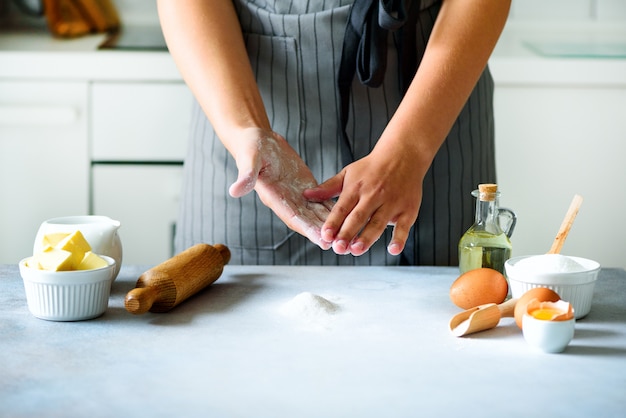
<point>461,42</point>
<point>205,40</point>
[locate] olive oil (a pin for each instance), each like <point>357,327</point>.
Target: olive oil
<point>485,244</point>
<point>478,249</point>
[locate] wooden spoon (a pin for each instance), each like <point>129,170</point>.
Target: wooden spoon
<point>566,225</point>
<point>481,317</point>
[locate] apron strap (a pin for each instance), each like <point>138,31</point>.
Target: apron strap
<point>365,50</point>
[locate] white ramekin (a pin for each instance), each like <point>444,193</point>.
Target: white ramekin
<point>68,295</point>
<point>573,287</point>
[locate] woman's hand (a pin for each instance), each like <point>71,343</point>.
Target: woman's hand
<point>384,188</point>
<point>271,167</point>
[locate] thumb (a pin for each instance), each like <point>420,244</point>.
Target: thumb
<point>246,180</point>
<point>244,184</point>
<point>325,191</point>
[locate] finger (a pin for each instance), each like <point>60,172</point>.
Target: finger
<point>336,218</point>
<point>369,234</point>
<point>306,218</point>
<point>310,230</point>
<point>399,236</point>
<point>312,220</point>
<point>329,189</point>
<point>319,210</point>
<point>249,166</point>
<point>328,204</point>
<point>347,221</point>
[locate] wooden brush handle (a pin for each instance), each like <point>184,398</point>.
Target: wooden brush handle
<point>566,225</point>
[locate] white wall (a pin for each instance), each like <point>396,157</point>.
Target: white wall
<point>554,141</point>
<point>569,10</point>
<point>141,12</point>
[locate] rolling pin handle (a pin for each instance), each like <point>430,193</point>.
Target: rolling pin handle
<point>224,251</point>
<point>140,299</point>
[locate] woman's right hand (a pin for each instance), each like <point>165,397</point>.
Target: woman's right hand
<point>270,166</point>
<point>207,44</point>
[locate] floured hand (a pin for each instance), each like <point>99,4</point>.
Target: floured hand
<point>271,167</point>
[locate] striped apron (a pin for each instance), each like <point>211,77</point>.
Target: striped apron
<point>295,49</point>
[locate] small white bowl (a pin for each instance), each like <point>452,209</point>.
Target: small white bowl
<point>68,295</point>
<point>547,336</point>
<point>575,287</point>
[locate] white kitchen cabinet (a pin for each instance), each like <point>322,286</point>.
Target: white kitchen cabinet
<point>139,135</point>
<point>44,164</point>
<point>557,141</point>
<point>133,121</point>
<point>144,198</point>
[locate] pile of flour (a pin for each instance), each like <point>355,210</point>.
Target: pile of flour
<point>310,308</point>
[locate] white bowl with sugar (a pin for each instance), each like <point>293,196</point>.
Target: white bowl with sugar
<point>572,278</point>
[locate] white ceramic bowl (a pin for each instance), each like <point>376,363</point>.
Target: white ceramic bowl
<point>547,336</point>
<point>101,232</point>
<point>574,287</point>
<point>68,295</point>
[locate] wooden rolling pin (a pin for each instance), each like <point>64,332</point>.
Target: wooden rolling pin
<point>173,281</point>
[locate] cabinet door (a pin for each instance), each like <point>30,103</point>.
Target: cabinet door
<point>140,121</point>
<point>44,165</point>
<point>144,198</point>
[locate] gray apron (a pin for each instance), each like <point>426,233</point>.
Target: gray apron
<point>295,48</point>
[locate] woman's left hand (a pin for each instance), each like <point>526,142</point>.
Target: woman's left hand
<point>384,188</point>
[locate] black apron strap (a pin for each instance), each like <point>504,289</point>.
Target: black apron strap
<point>365,50</point>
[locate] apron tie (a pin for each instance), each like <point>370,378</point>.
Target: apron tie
<point>365,50</point>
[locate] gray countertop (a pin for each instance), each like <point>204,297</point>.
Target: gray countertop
<point>230,351</point>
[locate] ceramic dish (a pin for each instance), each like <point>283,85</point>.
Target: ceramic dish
<point>575,287</point>
<point>548,336</point>
<point>68,295</point>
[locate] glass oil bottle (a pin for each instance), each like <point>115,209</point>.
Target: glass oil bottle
<point>485,243</point>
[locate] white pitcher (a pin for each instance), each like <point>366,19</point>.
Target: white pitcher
<point>101,232</point>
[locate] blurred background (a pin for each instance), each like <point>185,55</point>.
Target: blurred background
<point>99,125</point>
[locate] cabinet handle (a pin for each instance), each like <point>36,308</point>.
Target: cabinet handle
<point>37,115</point>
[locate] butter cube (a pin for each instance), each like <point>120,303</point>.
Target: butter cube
<point>52,259</point>
<point>51,240</point>
<point>76,244</point>
<point>92,261</point>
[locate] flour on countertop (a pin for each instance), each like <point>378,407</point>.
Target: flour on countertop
<point>310,308</point>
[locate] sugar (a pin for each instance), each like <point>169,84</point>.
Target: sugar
<point>549,263</point>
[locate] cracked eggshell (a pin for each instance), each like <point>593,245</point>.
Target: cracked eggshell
<point>542,294</point>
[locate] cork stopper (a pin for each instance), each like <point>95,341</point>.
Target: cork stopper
<point>487,192</point>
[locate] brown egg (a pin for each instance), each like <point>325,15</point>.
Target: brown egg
<point>542,294</point>
<point>477,287</point>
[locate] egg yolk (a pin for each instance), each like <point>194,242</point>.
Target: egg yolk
<point>546,313</point>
